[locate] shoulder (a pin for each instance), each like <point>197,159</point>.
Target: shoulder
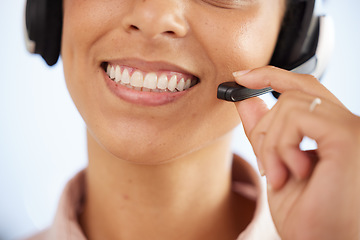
<point>65,224</point>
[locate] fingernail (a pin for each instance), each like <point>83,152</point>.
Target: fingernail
<point>240,73</point>
<point>259,142</point>
<point>261,168</point>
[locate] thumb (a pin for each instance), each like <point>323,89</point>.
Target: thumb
<point>251,111</point>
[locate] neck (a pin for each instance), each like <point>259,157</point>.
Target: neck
<point>187,198</point>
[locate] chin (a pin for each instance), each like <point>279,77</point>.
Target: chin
<point>131,150</point>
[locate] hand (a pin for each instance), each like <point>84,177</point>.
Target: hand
<point>312,194</point>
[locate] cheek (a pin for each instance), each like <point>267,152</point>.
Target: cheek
<point>85,22</point>
<point>82,27</point>
<point>241,41</point>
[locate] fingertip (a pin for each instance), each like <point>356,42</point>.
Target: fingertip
<point>276,177</point>
<point>251,111</point>
<point>260,167</point>
<point>246,78</point>
<point>269,76</point>
<point>304,166</point>
<point>298,162</point>
<point>239,74</point>
<point>252,105</point>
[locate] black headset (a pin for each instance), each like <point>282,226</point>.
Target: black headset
<point>43,21</point>
<point>304,42</point>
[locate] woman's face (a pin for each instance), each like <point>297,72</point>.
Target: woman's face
<point>170,44</point>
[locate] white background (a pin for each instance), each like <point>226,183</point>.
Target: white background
<point>42,137</point>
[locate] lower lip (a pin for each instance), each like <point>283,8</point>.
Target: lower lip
<point>140,97</point>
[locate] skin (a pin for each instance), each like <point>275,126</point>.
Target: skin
<point>306,188</point>
<point>139,155</point>
<point>164,172</point>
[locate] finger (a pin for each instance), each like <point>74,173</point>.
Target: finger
<point>289,102</point>
<point>256,119</point>
<point>298,162</point>
<point>277,172</point>
<point>266,132</point>
<point>318,125</point>
<point>299,124</point>
<point>258,135</point>
<point>282,80</point>
<point>251,111</point>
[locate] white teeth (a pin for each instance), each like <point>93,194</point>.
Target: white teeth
<point>112,72</point>
<point>117,74</point>
<point>180,86</point>
<point>125,77</point>
<point>162,82</point>
<point>136,79</point>
<point>147,82</point>
<point>108,69</point>
<point>150,81</point>
<point>187,84</point>
<point>172,83</point>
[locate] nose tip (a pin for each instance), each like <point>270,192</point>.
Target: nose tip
<point>153,20</point>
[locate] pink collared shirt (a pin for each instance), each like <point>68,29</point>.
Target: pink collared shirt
<point>245,182</point>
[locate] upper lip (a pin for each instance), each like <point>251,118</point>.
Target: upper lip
<point>151,66</point>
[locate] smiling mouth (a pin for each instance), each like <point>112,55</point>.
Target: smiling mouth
<point>158,81</point>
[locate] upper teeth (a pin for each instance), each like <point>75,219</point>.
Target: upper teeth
<point>149,81</point>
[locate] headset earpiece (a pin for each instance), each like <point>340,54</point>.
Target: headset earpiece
<point>43,21</point>
<point>305,41</point>
<point>289,50</point>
